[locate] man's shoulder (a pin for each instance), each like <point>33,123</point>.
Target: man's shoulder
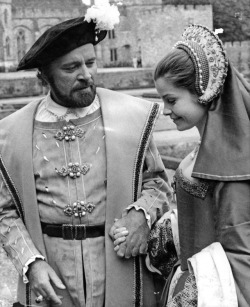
<point>118,109</point>
<point>122,98</point>
<point>17,117</point>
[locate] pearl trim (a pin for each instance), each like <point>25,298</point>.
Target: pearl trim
<point>212,47</point>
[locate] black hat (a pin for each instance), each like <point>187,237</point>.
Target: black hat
<point>59,40</point>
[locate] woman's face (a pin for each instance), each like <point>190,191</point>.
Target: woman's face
<point>186,112</point>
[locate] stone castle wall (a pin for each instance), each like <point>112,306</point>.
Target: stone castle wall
<point>148,30</point>
<point>5,31</point>
<point>239,54</point>
<point>139,33</point>
<point>24,84</point>
<point>166,25</point>
<point>141,3</point>
<point>32,18</point>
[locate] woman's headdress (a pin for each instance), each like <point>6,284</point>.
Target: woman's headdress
<point>210,62</point>
<point>224,153</point>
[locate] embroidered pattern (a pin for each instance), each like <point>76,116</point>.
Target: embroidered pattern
<point>12,189</point>
<point>138,286</point>
<point>211,63</point>
<point>79,208</point>
<point>142,147</point>
<point>19,206</point>
<point>74,170</point>
<point>161,248</point>
<point>28,294</point>
<point>69,133</point>
<point>196,189</point>
<point>188,297</point>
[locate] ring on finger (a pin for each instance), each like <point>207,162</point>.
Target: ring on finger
<point>39,299</point>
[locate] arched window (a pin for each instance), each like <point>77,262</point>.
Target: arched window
<point>1,42</point>
<point>111,34</point>
<point>5,16</point>
<point>7,44</point>
<point>21,46</point>
<point>113,54</point>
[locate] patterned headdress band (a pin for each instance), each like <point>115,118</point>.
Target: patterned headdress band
<point>208,56</point>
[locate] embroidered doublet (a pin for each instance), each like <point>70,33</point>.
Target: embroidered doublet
<point>67,171</point>
<point>33,169</point>
<point>70,177</point>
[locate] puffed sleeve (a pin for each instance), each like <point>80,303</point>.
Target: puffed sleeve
<point>14,237</point>
<point>163,244</point>
<point>232,221</point>
<point>156,191</point>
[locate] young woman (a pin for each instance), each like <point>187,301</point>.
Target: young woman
<point>212,184</point>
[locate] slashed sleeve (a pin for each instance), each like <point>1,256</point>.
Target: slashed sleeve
<point>14,237</point>
<point>156,191</point>
<point>163,244</point>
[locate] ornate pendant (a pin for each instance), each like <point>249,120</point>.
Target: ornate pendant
<point>69,133</point>
<point>74,170</point>
<point>79,208</point>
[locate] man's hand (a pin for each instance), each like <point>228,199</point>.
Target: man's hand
<point>40,277</point>
<point>138,230</point>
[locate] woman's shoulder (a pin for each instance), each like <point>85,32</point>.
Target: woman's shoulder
<point>194,186</point>
<point>186,167</point>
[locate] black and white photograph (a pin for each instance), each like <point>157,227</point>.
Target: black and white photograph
<point>125,153</point>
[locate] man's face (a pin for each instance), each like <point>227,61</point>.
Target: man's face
<point>71,77</point>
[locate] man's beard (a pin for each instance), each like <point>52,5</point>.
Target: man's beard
<point>79,97</point>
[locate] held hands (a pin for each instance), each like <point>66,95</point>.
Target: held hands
<point>40,277</point>
<point>130,234</point>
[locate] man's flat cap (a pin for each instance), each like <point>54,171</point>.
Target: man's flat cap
<point>59,40</point>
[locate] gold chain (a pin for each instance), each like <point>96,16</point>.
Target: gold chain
<point>62,117</point>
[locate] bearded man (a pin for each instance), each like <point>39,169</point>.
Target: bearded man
<point>75,166</point>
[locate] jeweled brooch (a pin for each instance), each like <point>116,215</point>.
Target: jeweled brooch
<point>69,133</point>
<point>74,170</point>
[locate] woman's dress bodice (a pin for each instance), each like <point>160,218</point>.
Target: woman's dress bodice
<point>215,212</point>
<point>195,216</point>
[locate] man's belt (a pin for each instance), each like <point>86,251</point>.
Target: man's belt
<point>73,232</point>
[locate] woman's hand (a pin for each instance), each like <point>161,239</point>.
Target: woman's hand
<point>119,236</point>
<point>136,239</point>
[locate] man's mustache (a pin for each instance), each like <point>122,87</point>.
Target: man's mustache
<point>84,85</point>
